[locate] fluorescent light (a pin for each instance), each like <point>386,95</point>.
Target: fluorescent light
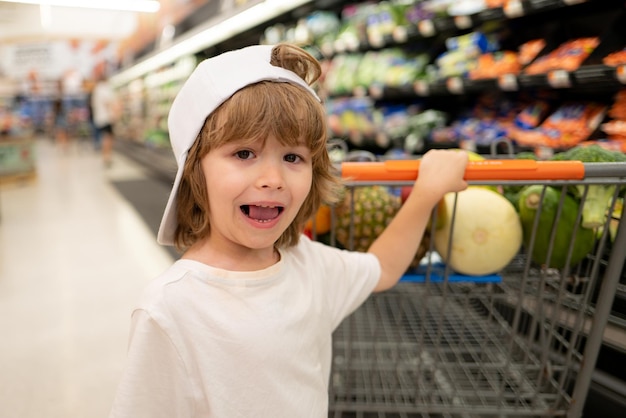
<point>208,35</point>
<point>146,6</point>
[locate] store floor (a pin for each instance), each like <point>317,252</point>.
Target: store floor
<point>74,256</point>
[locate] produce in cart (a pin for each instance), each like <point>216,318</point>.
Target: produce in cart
<point>485,230</point>
<point>566,234</point>
<point>373,209</point>
<point>598,196</point>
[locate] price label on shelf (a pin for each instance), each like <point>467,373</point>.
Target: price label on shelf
<point>620,72</point>
<point>559,79</point>
<point>376,39</point>
<point>463,22</point>
<point>376,91</point>
<point>513,9</point>
<point>508,82</point>
<point>544,153</point>
<point>400,34</point>
<point>426,28</point>
<point>359,91</point>
<point>327,49</point>
<point>455,85</point>
<point>421,88</point>
<point>339,46</point>
<point>468,145</point>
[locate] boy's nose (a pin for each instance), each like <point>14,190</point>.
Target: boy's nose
<point>271,176</point>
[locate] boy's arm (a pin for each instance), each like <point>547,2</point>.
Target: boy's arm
<point>441,171</point>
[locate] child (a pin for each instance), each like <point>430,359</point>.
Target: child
<point>241,325</point>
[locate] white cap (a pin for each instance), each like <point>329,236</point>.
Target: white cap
<point>213,82</point>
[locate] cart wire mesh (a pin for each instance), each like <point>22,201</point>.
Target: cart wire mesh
<point>523,345</point>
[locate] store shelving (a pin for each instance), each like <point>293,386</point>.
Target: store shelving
<point>536,17</point>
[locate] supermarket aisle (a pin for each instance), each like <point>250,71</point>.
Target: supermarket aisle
<point>74,256</point>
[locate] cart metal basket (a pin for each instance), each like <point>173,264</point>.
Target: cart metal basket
<point>522,345</point>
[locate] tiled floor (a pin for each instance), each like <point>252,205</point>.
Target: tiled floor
<point>74,256</point>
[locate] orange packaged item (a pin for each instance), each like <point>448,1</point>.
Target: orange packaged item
<point>615,58</point>
<point>569,125</point>
<point>618,110</point>
<point>528,51</point>
<point>615,129</point>
<point>495,64</point>
<point>495,3</point>
<point>569,56</point>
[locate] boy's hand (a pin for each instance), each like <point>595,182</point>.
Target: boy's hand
<point>441,172</point>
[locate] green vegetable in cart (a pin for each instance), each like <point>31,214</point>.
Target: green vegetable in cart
<point>598,196</point>
<point>529,201</point>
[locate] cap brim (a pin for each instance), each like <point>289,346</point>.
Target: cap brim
<point>167,229</point>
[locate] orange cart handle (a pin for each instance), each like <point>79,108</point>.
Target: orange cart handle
<point>403,170</point>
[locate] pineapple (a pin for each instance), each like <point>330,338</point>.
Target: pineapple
<point>374,207</point>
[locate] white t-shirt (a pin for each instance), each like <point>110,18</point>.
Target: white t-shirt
<point>206,342</point>
<point>102,104</point>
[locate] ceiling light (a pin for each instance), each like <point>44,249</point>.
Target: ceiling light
<point>146,6</point>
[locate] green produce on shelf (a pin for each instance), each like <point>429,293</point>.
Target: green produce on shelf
<point>529,202</point>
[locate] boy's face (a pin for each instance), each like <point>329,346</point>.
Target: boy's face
<point>255,192</point>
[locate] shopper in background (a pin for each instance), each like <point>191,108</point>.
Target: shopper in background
<point>105,110</point>
<point>241,325</point>
<point>88,88</point>
<point>59,120</point>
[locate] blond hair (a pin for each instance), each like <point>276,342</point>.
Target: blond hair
<point>283,110</point>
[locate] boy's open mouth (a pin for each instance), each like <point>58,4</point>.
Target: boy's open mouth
<point>261,213</point>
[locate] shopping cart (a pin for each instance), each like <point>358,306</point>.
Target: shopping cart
<point>522,345</point>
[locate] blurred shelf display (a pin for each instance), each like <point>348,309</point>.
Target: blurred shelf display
<point>403,77</point>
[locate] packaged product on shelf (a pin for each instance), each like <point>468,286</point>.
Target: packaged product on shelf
<point>383,19</point>
<point>495,64</point>
<point>568,56</point>
<point>323,27</point>
<point>340,78</point>
<point>615,58</point>
<point>618,109</point>
<point>402,69</point>
<point>528,51</point>
<point>352,118</point>
<point>418,12</point>
<point>462,53</point>
<point>569,125</point>
<point>371,69</point>
<point>352,33</point>
<point>394,126</point>
<point>531,116</point>
<point>615,129</point>
<point>487,122</point>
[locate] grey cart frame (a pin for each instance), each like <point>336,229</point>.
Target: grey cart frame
<point>525,345</point>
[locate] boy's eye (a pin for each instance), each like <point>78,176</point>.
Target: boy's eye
<point>292,158</point>
<point>244,154</point>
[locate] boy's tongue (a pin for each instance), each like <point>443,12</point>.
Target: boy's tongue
<point>262,213</point>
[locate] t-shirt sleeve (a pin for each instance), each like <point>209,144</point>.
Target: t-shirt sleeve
<point>350,278</point>
<point>154,383</point>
